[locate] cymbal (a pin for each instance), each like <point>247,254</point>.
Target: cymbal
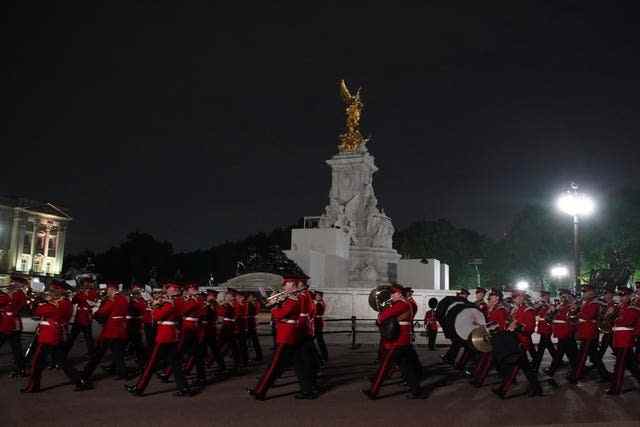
<point>479,339</point>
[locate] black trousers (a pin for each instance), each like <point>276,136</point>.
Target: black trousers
<point>58,354</point>
<point>117,351</point>
<point>431,339</point>
<point>149,336</point>
<point>605,342</point>
<point>451,354</point>
<point>544,344</point>
<point>625,360</point>
<point>195,350</point>
<point>16,348</point>
<point>229,343</point>
<point>306,364</point>
<point>510,369</point>
<point>252,335</point>
<point>282,358</point>
<point>136,344</point>
<point>241,339</point>
<point>87,334</point>
<point>411,369</point>
<point>169,354</point>
<point>568,347</point>
<point>322,345</point>
<point>589,348</point>
<point>211,342</point>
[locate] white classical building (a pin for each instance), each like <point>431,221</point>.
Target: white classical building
<point>32,236</point>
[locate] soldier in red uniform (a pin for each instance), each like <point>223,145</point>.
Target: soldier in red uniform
<point>544,330</point>
<point>497,318</point>
<point>609,309</point>
<point>84,300</point>
<point>49,339</point>
<point>307,361</point>
<point>113,311</point>
<point>66,312</point>
<point>523,323</point>
<point>253,309</point>
<point>228,341</point>
<point>193,332</point>
<point>469,352</point>
<point>166,314</point>
<point>563,330</point>
<point>398,350</point>
<point>320,307</point>
<point>137,310</point>
<point>11,302</point>
<point>211,328</point>
<point>431,324</point>
<point>286,316</point>
<point>587,334</point>
<point>623,340</point>
<point>241,310</point>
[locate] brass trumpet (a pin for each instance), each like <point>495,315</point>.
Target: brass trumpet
<point>280,297</point>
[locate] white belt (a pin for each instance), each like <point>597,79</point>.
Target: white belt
<point>304,314</point>
<point>8,313</point>
<point>585,320</point>
<point>83,308</point>
<point>559,321</point>
<point>117,317</point>
<point>404,323</point>
<point>291,322</point>
<point>542,319</point>
<point>134,317</point>
<point>167,323</point>
<point>621,328</point>
<point>45,323</point>
<point>191,319</point>
<point>228,319</point>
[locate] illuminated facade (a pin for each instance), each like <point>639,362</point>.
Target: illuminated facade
<point>32,236</point>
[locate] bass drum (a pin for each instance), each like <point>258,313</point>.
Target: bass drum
<point>443,306</point>
<point>506,348</point>
<point>461,319</point>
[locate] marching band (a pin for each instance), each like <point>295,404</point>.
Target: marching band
<point>181,327</point>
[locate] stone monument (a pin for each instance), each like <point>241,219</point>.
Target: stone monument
<point>350,251</point>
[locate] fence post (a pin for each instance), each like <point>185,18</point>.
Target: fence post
<point>353,332</point>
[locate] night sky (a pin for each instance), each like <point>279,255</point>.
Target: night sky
<point>205,122</point>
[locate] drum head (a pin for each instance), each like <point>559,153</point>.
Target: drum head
<point>467,320</point>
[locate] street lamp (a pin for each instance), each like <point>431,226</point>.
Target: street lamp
<point>575,204</point>
<point>559,272</point>
<point>522,285</point>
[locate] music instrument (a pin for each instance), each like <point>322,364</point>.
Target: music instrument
<point>606,321</point>
<point>458,317</point>
<point>280,297</point>
<point>380,298</point>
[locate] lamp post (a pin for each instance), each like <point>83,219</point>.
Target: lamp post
<point>575,204</point>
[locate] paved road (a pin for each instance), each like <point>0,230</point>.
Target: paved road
<point>225,403</point>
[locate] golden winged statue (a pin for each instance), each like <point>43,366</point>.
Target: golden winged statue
<point>351,140</point>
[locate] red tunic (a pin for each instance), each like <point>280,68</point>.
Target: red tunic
<point>137,310</point>
<point>50,327</point>
<point>83,301</point>
<point>526,317</point>
<point>624,326</point>
<point>191,312</point>
<point>430,322</point>
<point>114,311</point>
<point>544,328</point>
<point>286,317</point>
<point>241,310</point>
<point>166,317</point>
<point>561,327</point>
<point>10,306</point>
<point>404,312</point>
<point>319,317</point>
<point>588,320</point>
<point>498,315</point>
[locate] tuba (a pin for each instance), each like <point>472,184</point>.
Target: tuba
<point>380,297</point>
